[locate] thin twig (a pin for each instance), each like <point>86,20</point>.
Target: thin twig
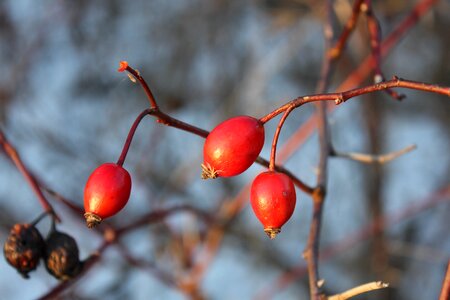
<point>361,289</point>
<point>335,52</point>
<point>341,97</point>
<point>130,136</point>
<point>11,152</point>
<point>275,139</point>
<point>374,28</point>
<point>370,159</point>
<point>445,291</point>
<point>311,253</point>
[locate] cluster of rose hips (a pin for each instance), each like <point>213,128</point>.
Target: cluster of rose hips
<point>229,149</point>
<point>25,247</point>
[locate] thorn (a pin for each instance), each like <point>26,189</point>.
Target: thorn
<point>131,78</point>
<point>320,283</point>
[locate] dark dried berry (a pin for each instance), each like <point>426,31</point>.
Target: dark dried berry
<point>23,248</point>
<point>61,256</point>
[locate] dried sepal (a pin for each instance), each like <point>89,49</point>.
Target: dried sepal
<point>208,172</point>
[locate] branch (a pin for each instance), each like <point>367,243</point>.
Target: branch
<point>364,288</point>
<point>335,52</point>
<point>11,152</point>
<point>373,25</point>
<point>412,209</point>
<point>370,159</point>
<point>445,291</point>
<point>167,120</point>
<point>341,97</point>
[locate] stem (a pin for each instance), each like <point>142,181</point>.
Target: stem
<point>374,28</point>
<point>14,156</point>
<point>312,248</point>
<point>167,120</point>
<point>339,98</point>
<point>361,289</point>
<point>130,136</point>
<point>275,138</point>
<point>144,85</point>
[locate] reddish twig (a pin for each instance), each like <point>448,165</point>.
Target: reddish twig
<point>130,136</point>
<point>341,97</point>
<point>335,52</point>
<point>373,25</point>
<point>445,291</point>
<point>275,138</point>
<point>123,66</point>
<point>357,76</point>
<point>11,152</point>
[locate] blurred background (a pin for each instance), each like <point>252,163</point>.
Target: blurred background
<point>66,109</point>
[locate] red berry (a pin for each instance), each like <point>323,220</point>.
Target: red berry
<point>106,193</point>
<point>273,200</point>
<point>232,147</point>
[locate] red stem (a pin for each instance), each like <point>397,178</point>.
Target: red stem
<point>344,96</point>
<point>130,136</point>
<point>335,52</point>
<point>275,138</point>
<point>144,85</point>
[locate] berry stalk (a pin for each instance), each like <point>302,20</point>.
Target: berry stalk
<point>275,137</point>
<point>130,136</point>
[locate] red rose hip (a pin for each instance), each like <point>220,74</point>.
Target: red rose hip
<point>232,147</point>
<point>273,200</point>
<point>106,193</point>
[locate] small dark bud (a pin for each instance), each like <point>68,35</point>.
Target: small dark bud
<point>61,256</point>
<point>23,248</point>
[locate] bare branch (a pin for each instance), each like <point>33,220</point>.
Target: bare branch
<point>364,288</point>
<point>371,159</point>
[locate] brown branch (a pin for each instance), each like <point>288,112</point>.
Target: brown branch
<point>445,291</point>
<point>370,159</point>
<point>11,152</point>
<point>351,240</point>
<point>361,289</point>
<point>87,265</point>
<point>341,97</point>
<point>158,215</point>
<point>335,52</point>
<point>358,75</point>
<point>146,265</point>
<point>373,25</point>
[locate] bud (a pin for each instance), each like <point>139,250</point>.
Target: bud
<point>61,256</point>
<point>23,248</point>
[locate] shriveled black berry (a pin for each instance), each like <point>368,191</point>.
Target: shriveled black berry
<point>61,256</point>
<point>24,248</point>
